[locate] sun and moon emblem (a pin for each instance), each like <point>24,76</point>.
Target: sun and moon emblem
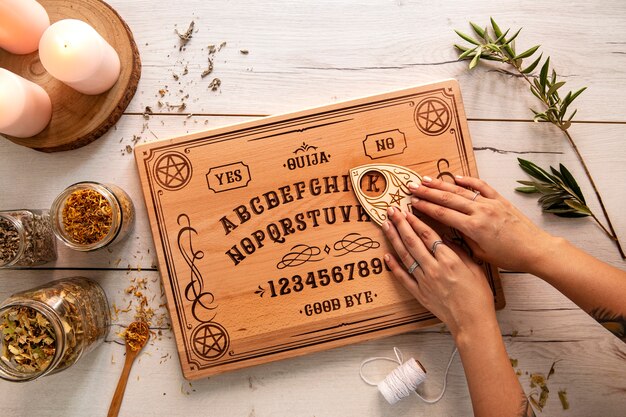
<point>380,186</point>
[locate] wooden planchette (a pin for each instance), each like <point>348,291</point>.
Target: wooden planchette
<point>380,186</point>
<point>264,250</point>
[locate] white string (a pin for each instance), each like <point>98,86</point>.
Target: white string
<point>404,379</point>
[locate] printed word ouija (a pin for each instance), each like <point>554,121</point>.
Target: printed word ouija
<point>264,249</point>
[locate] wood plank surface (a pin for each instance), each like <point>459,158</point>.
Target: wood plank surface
<point>548,326</point>
<point>496,156</point>
<point>304,54</point>
<point>307,54</point>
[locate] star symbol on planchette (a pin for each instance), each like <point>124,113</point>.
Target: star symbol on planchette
<point>396,198</point>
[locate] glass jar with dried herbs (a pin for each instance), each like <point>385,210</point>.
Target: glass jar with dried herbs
<point>47,329</point>
<point>26,238</point>
<point>88,215</point>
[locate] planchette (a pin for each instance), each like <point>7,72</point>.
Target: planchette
<point>380,186</point>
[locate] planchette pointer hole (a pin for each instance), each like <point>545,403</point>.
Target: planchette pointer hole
<point>373,183</point>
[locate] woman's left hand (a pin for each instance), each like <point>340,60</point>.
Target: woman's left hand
<point>447,281</point>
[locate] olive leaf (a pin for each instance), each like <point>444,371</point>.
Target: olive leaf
<point>561,194</point>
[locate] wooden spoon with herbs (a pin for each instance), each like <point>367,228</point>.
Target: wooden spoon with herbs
<point>136,336</point>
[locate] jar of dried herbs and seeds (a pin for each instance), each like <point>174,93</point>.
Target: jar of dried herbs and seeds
<point>87,216</point>
<point>47,329</point>
<point>26,238</point>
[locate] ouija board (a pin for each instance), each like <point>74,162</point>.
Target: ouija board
<point>263,248</point>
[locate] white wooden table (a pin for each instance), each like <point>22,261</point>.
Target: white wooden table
<point>303,54</point>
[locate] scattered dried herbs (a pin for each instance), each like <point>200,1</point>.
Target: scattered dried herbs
<point>215,84</point>
<point>563,398</point>
<point>136,335</point>
<point>244,51</point>
<point>87,216</point>
<point>539,381</point>
<point>208,70</point>
<point>28,340</point>
<point>185,37</point>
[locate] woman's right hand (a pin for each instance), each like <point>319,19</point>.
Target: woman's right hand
<point>494,229</point>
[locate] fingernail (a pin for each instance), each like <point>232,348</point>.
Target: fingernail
<point>459,176</point>
<point>414,200</point>
<point>427,179</point>
<point>387,258</point>
<point>404,213</point>
<point>385,226</point>
<point>413,186</point>
<point>390,211</point>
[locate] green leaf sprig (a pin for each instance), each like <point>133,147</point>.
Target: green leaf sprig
<point>561,194</point>
<point>492,44</point>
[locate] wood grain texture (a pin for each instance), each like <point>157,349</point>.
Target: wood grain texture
<point>79,119</point>
<point>267,207</point>
<point>306,54</point>
<point>108,161</point>
<point>591,369</point>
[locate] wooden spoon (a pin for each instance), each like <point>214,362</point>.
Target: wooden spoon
<point>136,336</point>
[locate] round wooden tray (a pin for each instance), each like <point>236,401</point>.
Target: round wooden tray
<point>79,119</point>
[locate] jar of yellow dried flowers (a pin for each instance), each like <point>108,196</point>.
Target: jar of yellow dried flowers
<point>88,215</point>
<point>47,329</point>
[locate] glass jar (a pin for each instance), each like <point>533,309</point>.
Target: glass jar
<point>26,238</point>
<point>47,329</point>
<point>87,215</point>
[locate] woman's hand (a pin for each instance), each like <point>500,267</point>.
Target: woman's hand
<point>447,282</point>
<point>454,288</point>
<point>493,228</point>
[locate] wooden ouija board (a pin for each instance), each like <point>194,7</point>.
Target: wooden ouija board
<point>263,248</point>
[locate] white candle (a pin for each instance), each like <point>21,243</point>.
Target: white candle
<point>74,53</point>
<point>25,108</point>
<point>22,22</point>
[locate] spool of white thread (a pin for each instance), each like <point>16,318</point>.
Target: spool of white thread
<point>402,381</point>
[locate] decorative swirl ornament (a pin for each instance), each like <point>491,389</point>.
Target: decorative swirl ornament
<point>353,243</point>
<point>395,194</point>
<point>300,254</point>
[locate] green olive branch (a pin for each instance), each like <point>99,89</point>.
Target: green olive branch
<point>492,44</point>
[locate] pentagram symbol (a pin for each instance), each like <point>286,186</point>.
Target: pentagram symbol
<point>210,341</point>
<point>172,171</point>
<point>396,198</point>
<point>432,116</point>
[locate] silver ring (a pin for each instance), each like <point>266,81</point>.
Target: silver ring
<point>413,267</point>
<point>476,194</point>
<point>434,247</point>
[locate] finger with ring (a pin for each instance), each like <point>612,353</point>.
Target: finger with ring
<point>433,248</point>
<point>396,242</point>
<point>413,267</point>
<point>429,237</point>
<point>411,241</point>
